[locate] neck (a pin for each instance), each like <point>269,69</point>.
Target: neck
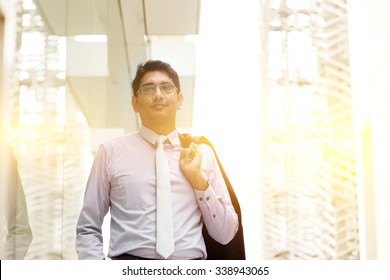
<point>161,130</point>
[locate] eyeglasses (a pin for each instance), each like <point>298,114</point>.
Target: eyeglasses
<point>150,89</point>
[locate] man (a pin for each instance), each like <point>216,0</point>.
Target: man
<point>123,180</point>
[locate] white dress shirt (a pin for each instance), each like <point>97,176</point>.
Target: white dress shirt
<point>123,180</point>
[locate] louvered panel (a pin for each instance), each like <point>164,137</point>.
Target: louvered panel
<point>339,162</point>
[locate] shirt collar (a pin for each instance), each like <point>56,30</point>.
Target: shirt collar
<point>150,136</point>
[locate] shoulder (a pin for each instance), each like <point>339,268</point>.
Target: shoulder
<point>120,141</point>
<point>202,142</point>
<point>205,148</point>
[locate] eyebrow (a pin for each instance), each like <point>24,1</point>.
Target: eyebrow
<point>151,84</point>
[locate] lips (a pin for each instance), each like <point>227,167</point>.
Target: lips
<point>159,106</point>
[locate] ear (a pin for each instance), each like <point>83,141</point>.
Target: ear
<point>180,98</point>
<point>134,102</point>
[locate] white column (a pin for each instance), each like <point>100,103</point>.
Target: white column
<point>370,71</point>
<point>227,101</point>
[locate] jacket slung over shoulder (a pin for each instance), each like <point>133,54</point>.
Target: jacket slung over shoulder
<point>235,249</point>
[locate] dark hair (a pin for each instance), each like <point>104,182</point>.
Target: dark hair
<point>154,65</point>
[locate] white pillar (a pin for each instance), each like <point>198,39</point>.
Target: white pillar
<point>370,71</point>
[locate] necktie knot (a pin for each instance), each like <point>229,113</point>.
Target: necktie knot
<point>161,139</point>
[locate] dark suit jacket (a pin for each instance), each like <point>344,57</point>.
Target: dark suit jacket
<point>235,249</point>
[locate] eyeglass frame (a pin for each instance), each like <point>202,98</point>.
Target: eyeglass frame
<point>155,89</point>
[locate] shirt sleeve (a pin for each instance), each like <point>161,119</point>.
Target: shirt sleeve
<point>89,239</point>
<point>217,210</point>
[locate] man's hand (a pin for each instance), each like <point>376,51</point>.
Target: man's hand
<point>190,162</point>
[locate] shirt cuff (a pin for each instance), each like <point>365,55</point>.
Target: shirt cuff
<point>206,199</point>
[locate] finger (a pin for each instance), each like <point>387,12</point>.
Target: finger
<point>183,153</point>
<point>193,149</point>
<point>186,155</point>
<point>194,153</point>
<point>194,146</point>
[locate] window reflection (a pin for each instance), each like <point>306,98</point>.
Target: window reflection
<point>50,139</point>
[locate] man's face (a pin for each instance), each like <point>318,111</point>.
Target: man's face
<point>157,108</point>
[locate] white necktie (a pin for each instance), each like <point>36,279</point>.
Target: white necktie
<point>164,243</point>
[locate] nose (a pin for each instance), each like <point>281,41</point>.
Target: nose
<point>158,92</point>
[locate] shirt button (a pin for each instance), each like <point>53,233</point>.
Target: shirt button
<point>200,198</point>
<point>208,198</point>
<point>214,215</point>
